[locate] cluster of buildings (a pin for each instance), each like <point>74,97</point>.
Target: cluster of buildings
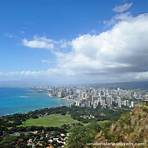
<point>42,138</point>
<point>99,97</point>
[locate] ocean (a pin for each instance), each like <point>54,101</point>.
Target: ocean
<point>21,100</point>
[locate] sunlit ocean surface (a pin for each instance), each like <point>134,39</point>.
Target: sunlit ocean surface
<point>19,100</point>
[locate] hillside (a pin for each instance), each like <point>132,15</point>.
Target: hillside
<point>130,128</point>
<point>123,85</point>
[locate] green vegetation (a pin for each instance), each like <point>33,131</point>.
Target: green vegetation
<point>53,120</point>
<point>131,127</point>
<point>8,139</point>
<point>86,114</point>
<point>79,125</point>
<point>105,124</point>
<point>80,135</point>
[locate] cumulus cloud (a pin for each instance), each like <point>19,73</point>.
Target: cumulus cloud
<point>122,8</point>
<point>127,16</point>
<point>43,42</point>
<point>113,48</point>
<point>117,54</point>
<point>39,42</point>
<point>121,50</point>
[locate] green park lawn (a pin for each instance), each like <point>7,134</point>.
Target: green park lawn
<point>53,120</point>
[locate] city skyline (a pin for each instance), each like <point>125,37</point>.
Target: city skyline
<point>61,42</point>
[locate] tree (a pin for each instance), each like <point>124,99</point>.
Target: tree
<point>81,135</point>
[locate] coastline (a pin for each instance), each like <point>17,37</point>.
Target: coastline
<point>63,98</point>
<point>12,102</point>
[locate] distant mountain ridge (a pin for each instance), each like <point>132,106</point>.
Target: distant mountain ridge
<point>124,85</point>
<point>32,83</point>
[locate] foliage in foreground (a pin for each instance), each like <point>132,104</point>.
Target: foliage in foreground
<point>130,128</point>
<point>80,135</point>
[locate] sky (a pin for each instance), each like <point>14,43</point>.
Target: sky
<point>73,41</point>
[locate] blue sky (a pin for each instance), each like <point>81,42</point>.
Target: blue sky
<point>33,33</point>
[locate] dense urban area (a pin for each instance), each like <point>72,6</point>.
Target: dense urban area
<point>103,97</point>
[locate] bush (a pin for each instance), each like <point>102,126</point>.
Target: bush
<point>81,135</point>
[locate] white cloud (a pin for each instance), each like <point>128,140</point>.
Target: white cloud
<point>127,16</point>
<point>39,42</point>
<point>46,43</point>
<point>141,75</point>
<point>117,54</point>
<point>121,50</point>
<point>122,8</point>
<point>125,38</point>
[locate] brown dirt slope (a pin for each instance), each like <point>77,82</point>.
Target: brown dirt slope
<point>130,128</point>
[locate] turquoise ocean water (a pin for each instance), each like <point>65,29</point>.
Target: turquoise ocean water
<point>19,100</point>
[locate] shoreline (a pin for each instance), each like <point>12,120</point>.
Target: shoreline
<point>12,109</point>
<point>39,109</point>
<point>69,100</point>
